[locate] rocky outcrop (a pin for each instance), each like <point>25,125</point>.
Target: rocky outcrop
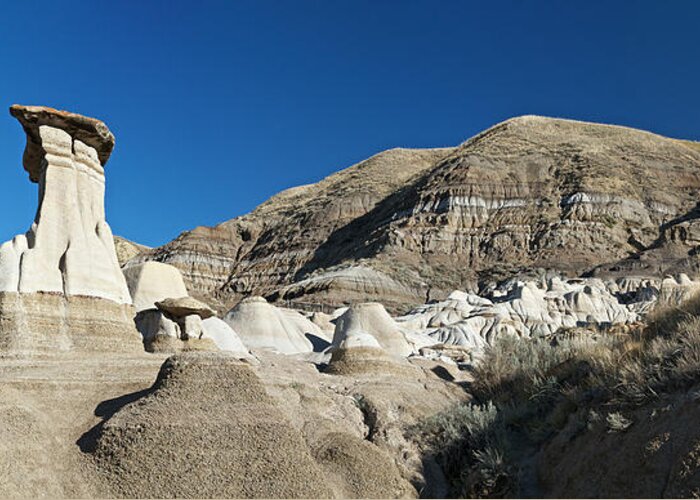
<point>267,249</point>
<point>539,309</point>
<point>186,324</point>
<point>69,248</point>
<point>127,250</point>
<point>216,427</point>
<point>60,283</point>
<point>40,323</point>
<point>528,194</point>
<point>344,285</point>
<point>182,307</point>
<point>360,354</point>
<point>171,321</point>
<point>263,326</point>
<point>187,313</point>
<point>218,331</point>
<point>151,282</point>
<point>371,319</point>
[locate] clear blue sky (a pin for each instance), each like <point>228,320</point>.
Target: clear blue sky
<point>218,105</point>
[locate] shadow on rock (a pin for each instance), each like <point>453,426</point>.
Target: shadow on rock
<point>88,441</point>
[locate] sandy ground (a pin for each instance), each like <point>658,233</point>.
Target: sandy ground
<point>49,409</point>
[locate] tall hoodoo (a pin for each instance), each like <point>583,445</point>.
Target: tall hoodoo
<point>69,248</point>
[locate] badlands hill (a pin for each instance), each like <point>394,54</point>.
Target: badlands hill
<point>116,382</point>
<point>528,194</point>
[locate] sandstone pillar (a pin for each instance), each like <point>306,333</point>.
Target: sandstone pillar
<point>69,248</point>
<point>61,287</point>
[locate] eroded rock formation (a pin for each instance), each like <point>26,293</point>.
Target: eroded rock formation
<point>262,252</point>
<point>217,413</point>
<point>265,326</point>
<point>370,319</point>
<point>151,282</point>
<point>214,426</point>
<point>61,286</point>
<point>69,248</point>
<point>528,194</point>
<point>540,309</point>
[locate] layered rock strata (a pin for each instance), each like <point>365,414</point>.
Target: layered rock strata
<point>360,353</point>
<point>32,323</point>
<point>262,252</point>
<point>528,194</point>
<point>67,258</point>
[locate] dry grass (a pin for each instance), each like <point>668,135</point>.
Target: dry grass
<point>472,442</point>
<point>381,174</point>
<point>692,145</point>
<point>527,391</point>
<point>665,318</point>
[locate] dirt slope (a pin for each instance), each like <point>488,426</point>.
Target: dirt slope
<point>657,457</point>
<point>46,406</point>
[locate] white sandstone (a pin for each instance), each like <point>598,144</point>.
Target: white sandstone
<point>371,318</point>
<point>261,325</point>
<point>69,248</point>
<point>151,282</point>
<point>225,338</point>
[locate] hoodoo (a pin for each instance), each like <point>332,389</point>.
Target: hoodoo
<point>66,261</point>
<point>69,248</point>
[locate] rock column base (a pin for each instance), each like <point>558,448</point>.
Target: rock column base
<point>52,323</point>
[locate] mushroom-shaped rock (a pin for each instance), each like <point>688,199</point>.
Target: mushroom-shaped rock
<point>152,323</point>
<point>371,318</point>
<point>69,249</point>
<point>150,282</point>
<point>162,332</point>
<point>188,313</point>
<point>182,307</point>
<point>263,326</point>
<point>90,131</point>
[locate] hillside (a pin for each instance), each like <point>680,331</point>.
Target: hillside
<point>528,194</point>
<point>266,248</point>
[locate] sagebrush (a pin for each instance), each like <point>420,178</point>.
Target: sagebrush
<point>525,391</point>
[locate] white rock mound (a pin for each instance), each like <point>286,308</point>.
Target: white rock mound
<point>361,354</point>
<point>523,309</point>
<point>263,326</point>
<point>225,338</point>
<point>359,340</point>
<point>372,319</point>
<point>150,282</point>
